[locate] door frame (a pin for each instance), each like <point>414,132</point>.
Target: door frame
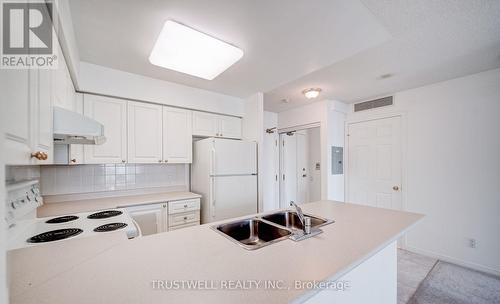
<point>365,117</point>
<point>280,157</point>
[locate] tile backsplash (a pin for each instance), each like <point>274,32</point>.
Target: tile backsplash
<point>57,180</point>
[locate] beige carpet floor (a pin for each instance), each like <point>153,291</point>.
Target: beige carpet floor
<point>412,270</point>
<point>425,280</point>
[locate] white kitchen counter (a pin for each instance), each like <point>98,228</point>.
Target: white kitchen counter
<point>124,272</point>
<point>85,205</point>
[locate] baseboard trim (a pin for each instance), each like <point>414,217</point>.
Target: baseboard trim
<point>449,259</point>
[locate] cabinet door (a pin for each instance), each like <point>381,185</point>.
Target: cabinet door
<point>41,121</point>
<point>177,135</point>
<point>230,127</point>
<point>112,113</point>
<point>149,218</point>
<point>76,154</point>
<point>205,124</point>
<point>15,88</point>
<point>62,85</point>
<point>144,132</point>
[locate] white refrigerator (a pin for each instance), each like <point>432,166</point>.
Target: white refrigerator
<point>224,172</point>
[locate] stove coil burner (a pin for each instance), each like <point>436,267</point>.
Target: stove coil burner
<point>110,227</point>
<point>104,214</point>
<point>54,235</point>
<point>62,219</point>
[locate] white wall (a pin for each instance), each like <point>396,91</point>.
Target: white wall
<point>102,80</point>
<point>453,167</point>
<point>330,115</point>
<point>251,129</point>
<point>270,163</point>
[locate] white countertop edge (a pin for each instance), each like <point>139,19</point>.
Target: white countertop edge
<point>309,294</point>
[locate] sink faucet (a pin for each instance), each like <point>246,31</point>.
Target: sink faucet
<point>306,221</point>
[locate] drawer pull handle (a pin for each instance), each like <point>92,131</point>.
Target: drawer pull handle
<point>185,206</point>
<point>185,218</point>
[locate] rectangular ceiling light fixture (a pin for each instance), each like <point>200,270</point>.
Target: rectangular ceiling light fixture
<point>188,51</point>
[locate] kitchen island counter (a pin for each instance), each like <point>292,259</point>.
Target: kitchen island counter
<point>131,271</point>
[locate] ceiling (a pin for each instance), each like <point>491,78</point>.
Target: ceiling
<point>341,46</point>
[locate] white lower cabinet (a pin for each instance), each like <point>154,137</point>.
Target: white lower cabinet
<point>183,213</point>
<point>167,216</point>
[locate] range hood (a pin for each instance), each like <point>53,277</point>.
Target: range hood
<point>73,128</point>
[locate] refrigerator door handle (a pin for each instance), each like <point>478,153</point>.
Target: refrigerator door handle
<point>212,197</point>
<point>212,161</point>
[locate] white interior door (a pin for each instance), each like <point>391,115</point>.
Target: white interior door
<point>288,187</point>
<point>374,163</point>
<point>302,169</point>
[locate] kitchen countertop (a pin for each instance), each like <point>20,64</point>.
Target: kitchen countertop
<point>76,206</point>
<point>124,273</point>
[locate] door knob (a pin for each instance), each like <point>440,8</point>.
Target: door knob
<point>395,188</point>
<point>39,155</point>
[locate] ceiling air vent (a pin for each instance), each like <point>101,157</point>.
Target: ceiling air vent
<point>372,104</point>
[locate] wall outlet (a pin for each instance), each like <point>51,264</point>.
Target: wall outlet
<point>472,243</point>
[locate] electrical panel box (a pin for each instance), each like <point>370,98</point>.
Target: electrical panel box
<point>337,160</point>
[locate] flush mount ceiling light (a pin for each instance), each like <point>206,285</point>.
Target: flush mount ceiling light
<point>188,51</point>
<point>311,93</point>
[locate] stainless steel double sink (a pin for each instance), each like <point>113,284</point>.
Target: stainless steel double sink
<point>257,232</point>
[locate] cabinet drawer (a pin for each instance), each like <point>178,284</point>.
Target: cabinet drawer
<point>183,206</point>
<point>183,226</point>
<point>183,218</point>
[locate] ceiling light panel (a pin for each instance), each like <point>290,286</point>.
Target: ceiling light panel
<point>188,51</point>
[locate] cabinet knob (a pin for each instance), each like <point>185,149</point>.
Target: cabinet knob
<point>159,160</point>
<point>166,160</point>
<point>395,188</point>
<point>39,155</point>
<point>123,161</point>
<point>73,160</point>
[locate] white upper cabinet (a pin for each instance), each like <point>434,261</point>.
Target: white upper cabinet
<point>112,113</point>
<point>229,127</point>
<point>16,115</point>
<point>213,125</point>
<point>205,124</point>
<point>42,136</point>
<point>63,90</point>
<point>177,135</point>
<point>144,132</point>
